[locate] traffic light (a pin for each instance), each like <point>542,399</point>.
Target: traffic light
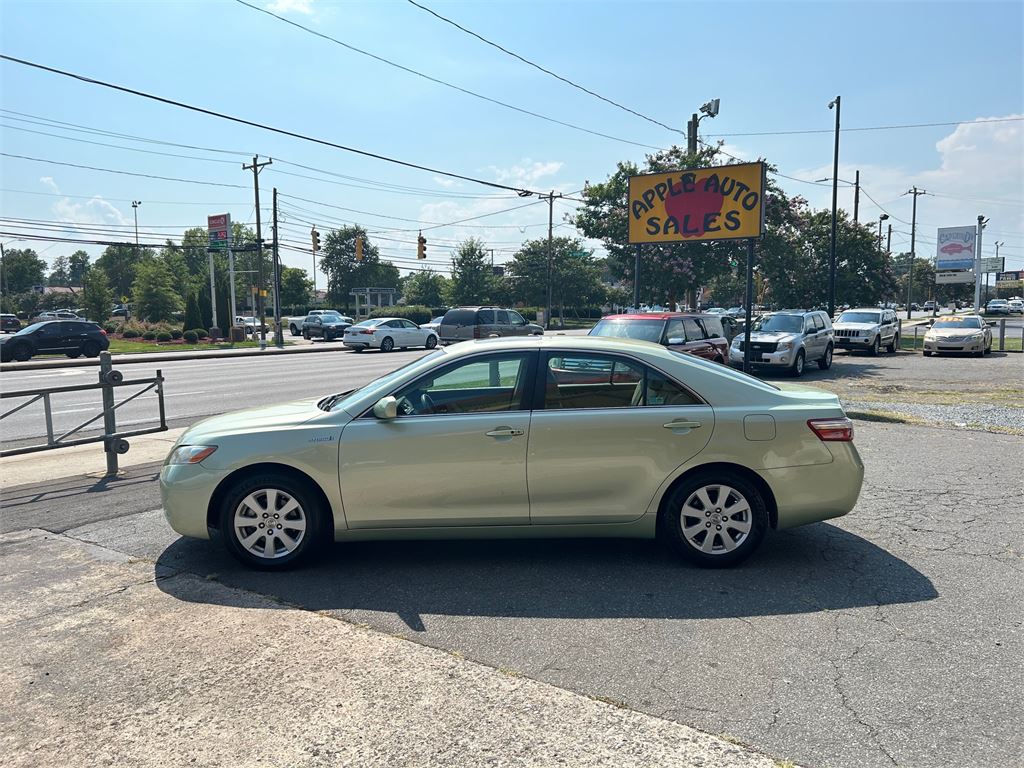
<point>359,249</point>
<point>316,239</point>
<point>421,247</point>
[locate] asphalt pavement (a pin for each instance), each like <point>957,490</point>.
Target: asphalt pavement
<point>890,636</point>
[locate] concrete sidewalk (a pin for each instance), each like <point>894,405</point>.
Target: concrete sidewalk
<point>111,660</point>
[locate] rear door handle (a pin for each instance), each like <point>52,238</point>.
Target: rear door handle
<point>682,425</point>
<point>504,432</point>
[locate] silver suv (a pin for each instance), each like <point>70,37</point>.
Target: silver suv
<point>788,339</point>
<point>868,329</point>
<point>463,323</point>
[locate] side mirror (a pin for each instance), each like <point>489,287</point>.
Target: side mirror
<point>673,342</point>
<point>386,408</point>
<point>992,323</point>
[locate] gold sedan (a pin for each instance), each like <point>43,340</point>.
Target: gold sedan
<point>522,437</point>
<point>959,333</point>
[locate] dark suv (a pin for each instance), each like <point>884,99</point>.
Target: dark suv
<point>9,323</point>
<point>70,337</point>
<point>464,323</point>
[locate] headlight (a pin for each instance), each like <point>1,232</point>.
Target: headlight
<point>190,454</point>
<point>783,345</point>
<point>736,342</point>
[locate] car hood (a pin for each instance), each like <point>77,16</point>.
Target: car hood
<point>855,326</point>
<point>775,336</point>
<point>263,418</point>
<point>954,331</point>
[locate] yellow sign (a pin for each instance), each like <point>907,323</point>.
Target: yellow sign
<point>721,203</point>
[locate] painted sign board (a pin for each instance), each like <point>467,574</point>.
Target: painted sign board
<point>958,276</point>
<point>218,228</point>
<point>725,202</point>
<point>954,248</point>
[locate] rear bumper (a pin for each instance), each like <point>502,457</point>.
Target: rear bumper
<point>810,494</point>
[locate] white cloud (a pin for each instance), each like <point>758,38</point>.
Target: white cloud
<point>304,7</point>
<point>441,181</point>
<point>525,173</point>
<point>48,182</point>
<point>96,210</point>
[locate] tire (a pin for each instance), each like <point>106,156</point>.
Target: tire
<point>735,528</point>
<point>797,369</point>
<point>826,362</point>
<point>22,352</point>
<point>988,349</point>
<point>258,499</point>
<point>91,349</point>
<point>979,353</point>
<point>876,345</point>
<point>927,353</point>
<point>305,335</point>
<point>294,330</point>
<point>357,349</point>
<point>73,355</point>
<point>893,345</point>
<point>387,344</point>
<point>431,342</point>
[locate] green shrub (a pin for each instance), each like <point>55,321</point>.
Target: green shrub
<point>110,328</point>
<point>163,336</point>
<point>130,333</point>
<point>201,333</point>
<point>149,335</point>
<point>415,312</point>
<point>176,333</point>
<point>190,336</point>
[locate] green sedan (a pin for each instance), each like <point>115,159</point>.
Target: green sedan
<point>521,437</point>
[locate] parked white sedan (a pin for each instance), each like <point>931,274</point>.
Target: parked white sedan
<point>386,333</point>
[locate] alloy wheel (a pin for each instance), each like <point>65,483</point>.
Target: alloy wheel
<point>716,519</point>
<point>269,523</point>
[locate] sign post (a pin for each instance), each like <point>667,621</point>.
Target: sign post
<point>218,230</point>
<point>723,202</point>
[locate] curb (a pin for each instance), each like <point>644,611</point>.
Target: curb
<point>167,357</point>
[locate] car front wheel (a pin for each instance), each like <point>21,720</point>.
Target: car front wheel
<point>294,330</point>
<point>271,522</point>
<point>714,520</point>
<point>22,352</point>
<point>875,346</point>
<point>797,369</point>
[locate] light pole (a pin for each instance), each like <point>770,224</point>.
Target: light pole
<point>881,218</point>
<point>836,102</point>
<point>710,109</point>
<point>135,210</point>
<point>1000,269</point>
<point>982,221</point>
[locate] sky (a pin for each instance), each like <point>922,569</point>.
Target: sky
<point>775,67</point>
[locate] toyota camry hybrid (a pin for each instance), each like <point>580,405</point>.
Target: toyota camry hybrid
<point>521,437</point>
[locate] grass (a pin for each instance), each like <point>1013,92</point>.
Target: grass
<point>123,347</point>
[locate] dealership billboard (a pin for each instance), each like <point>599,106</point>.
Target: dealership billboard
<point>954,249</point>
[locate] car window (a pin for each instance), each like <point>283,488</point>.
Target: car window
<point>409,324</point>
<point>459,317</point>
<point>479,385</point>
<point>51,329</point>
<point>644,330</point>
<point>515,318</point>
<point>485,317</point>
<point>693,331</point>
<point>591,380</point>
<point>819,324</point>
<point>392,324</point>
<point>502,316</point>
<point>674,329</point>
<point>712,327</point>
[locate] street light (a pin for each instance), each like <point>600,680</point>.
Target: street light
<point>708,109</point>
<point>881,218</point>
<point>836,102</point>
<point>135,210</point>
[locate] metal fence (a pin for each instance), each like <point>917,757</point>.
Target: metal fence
<point>114,442</point>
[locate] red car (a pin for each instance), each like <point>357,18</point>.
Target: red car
<point>697,334</point>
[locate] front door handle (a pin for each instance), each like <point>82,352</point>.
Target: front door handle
<point>682,425</point>
<point>504,432</point>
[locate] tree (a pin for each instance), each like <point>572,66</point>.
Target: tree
<point>345,273</point>
<point>78,265</point>
<point>120,263</point>
<point>21,269</point>
<point>427,288</point>
<point>154,293</point>
<point>472,277</point>
<point>97,298</point>
<point>575,274</point>
<point>193,318</point>
<point>59,272</point>
<point>295,287</point>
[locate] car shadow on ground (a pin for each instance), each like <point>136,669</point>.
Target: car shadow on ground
<point>815,568</point>
<point>843,367</point>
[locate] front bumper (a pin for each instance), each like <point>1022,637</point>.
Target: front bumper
<point>954,345</point>
<point>779,359</point>
<point>186,491</point>
<point>854,343</point>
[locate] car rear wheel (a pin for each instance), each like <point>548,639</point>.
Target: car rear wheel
<point>74,354</point>
<point>387,344</point>
<point>714,519</point>
<point>271,522</point>
<point>826,362</point>
<point>927,353</point>
<point>797,369</point>
<point>91,349</point>
<point>431,342</point>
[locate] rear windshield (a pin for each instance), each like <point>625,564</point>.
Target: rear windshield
<point>459,317</point>
<point>644,330</point>
<point>371,323</point>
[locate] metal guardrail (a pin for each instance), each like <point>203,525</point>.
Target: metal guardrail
<point>114,442</point>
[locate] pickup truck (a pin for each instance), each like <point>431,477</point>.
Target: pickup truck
<point>294,324</point>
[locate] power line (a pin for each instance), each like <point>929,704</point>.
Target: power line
<point>124,199</point>
<point>123,173</point>
<point>555,75</point>
<point>443,82</point>
<point>868,128</point>
<point>261,126</point>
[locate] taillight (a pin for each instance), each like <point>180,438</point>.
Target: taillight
<point>838,430</point>
<point>366,332</point>
<point>103,331</point>
<point>476,331</point>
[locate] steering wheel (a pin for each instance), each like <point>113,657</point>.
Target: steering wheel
<point>427,404</point>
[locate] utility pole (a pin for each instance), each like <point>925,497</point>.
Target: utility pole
<point>913,236</point>
<point>856,196</point>
<point>835,194</point>
<point>888,242</point>
<point>135,210</point>
<point>278,333</point>
<point>987,295</point>
<point>982,221</point>
<point>691,134</point>
<point>881,218</point>
<point>551,222</point>
<point>255,168</point>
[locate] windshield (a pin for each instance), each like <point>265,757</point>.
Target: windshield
<point>779,324</point>
<point>859,317</point>
<point>28,329</point>
<point>644,330</point>
<point>337,402</point>
<point>958,322</point>
<point>995,302</point>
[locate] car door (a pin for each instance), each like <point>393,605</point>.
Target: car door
<point>813,348</point>
<point>50,337</point>
<point>519,326</point>
<point>73,335</point>
<point>454,456</point>
<point>417,336</point>
<point>602,444</point>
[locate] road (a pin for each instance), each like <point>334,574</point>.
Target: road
<point>890,636</point>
